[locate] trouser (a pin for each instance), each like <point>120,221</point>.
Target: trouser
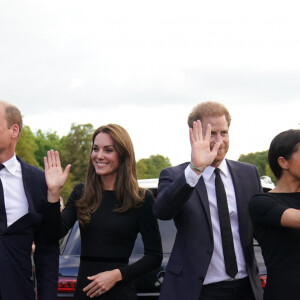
<point>239,289</point>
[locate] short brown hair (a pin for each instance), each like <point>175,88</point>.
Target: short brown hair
<point>206,109</point>
<point>12,115</point>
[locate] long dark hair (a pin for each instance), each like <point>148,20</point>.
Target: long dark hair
<point>126,188</point>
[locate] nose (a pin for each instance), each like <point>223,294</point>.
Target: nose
<point>218,138</point>
<point>100,154</point>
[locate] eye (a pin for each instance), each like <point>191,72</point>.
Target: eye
<point>95,149</point>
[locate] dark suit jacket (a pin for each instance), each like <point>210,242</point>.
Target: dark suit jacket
<point>193,247</point>
<point>16,242</point>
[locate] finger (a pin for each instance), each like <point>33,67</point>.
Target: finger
<point>208,132</point>
<point>216,147</point>
<point>57,159</point>
<point>90,285</point>
<point>195,131</point>
<point>66,173</point>
<point>97,293</point>
<point>200,134</point>
<point>46,166</point>
<point>192,140</point>
<point>50,163</point>
<point>94,291</point>
<point>53,158</point>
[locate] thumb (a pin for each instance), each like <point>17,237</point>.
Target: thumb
<point>216,147</point>
<point>67,170</point>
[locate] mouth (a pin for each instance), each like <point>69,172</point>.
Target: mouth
<point>101,164</point>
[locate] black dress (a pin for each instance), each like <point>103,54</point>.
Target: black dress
<point>280,245</point>
<point>107,242</point>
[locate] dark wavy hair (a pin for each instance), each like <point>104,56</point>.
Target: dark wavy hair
<point>284,145</point>
<point>128,193</point>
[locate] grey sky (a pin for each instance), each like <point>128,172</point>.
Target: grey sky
<point>145,64</point>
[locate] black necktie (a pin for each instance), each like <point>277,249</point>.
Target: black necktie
<point>3,221</point>
<point>225,227</point>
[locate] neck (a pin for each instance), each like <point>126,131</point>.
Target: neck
<point>108,182</point>
<point>287,185</point>
<point>5,156</point>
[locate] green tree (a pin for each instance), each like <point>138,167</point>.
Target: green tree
<point>46,141</point>
<point>27,146</point>
<point>152,166</point>
<point>259,159</point>
<point>76,148</point>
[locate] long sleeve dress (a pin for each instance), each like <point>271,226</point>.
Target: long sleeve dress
<point>107,241</point>
<point>280,245</point>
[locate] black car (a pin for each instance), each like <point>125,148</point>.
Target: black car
<point>148,286</point>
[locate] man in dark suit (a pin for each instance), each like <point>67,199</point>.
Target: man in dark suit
<point>213,256</point>
<point>23,199</point>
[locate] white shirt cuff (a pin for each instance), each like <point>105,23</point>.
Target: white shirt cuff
<point>191,177</point>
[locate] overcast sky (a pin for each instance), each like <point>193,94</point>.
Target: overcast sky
<point>146,64</point>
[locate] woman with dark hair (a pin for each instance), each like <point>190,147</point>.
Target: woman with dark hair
<point>276,219</point>
<point>111,210</point>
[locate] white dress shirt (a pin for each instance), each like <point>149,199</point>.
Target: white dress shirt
<point>16,204</point>
<point>216,270</point>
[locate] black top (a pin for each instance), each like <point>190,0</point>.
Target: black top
<point>280,245</point>
<point>111,235</point>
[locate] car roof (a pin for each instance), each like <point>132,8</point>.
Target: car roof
<point>148,183</point>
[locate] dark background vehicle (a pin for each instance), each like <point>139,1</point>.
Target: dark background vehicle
<point>148,286</point>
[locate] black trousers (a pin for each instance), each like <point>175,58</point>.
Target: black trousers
<point>239,289</point>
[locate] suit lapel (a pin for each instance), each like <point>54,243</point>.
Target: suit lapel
<point>26,183</point>
<point>202,192</point>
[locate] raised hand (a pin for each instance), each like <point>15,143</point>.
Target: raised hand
<point>55,176</point>
<point>201,153</point>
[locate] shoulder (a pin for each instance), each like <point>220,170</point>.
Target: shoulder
<point>148,198</point>
<point>147,202</point>
<point>240,165</point>
<point>262,202</point>
<point>26,167</point>
<point>171,171</point>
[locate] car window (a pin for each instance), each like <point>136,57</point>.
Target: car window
<point>167,232</point>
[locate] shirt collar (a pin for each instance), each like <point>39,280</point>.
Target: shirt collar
<point>12,165</point>
<point>209,171</point>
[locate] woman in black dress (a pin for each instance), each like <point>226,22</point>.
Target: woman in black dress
<point>111,210</point>
<point>276,219</point>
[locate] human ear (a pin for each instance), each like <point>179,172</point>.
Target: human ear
<point>283,163</point>
<point>15,131</point>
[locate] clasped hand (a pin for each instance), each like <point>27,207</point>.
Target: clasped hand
<point>102,282</point>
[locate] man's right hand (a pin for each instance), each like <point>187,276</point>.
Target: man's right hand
<point>201,153</point>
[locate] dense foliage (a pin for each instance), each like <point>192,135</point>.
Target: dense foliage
<point>151,167</point>
<point>260,160</point>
